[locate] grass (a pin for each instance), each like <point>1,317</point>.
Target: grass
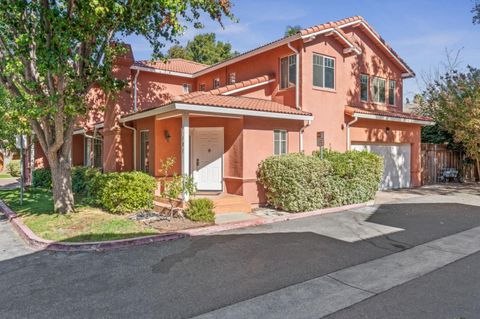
<point>3,175</point>
<point>86,224</point>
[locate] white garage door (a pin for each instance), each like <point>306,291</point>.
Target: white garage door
<point>396,161</point>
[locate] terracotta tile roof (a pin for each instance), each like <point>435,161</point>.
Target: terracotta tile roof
<point>237,102</point>
<point>243,84</point>
<point>173,65</point>
<point>350,110</point>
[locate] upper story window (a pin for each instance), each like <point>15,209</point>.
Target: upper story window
<point>288,71</point>
<point>378,90</point>
<point>323,71</point>
<point>187,88</point>
<point>216,83</point>
<point>232,78</point>
<point>201,87</point>
<point>280,142</point>
<point>364,87</point>
<point>391,92</point>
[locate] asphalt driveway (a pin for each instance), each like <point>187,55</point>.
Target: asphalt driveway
<point>189,277</point>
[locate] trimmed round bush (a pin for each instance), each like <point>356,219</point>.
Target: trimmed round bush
<point>122,192</point>
<point>13,168</point>
<point>200,210</point>
<point>42,178</point>
<point>81,176</point>
<point>298,182</point>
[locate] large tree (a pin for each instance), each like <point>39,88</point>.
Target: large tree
<point>453,101</point>
<point>291,30</point>
<point>53,51</point>
<point>476,13</point>
<point>204,48</point>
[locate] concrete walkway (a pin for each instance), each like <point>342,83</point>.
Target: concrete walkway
<point>11,245</point>
<point>9,183</point>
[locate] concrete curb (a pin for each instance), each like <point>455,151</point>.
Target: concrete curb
<point>43,244</point>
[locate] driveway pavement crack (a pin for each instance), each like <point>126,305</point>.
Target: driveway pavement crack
<point>447,251</point>
<point>351,286</point>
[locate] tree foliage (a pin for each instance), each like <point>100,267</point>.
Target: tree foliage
<point>453,101</point>
<point>291,30</point>
<point>476,13</point>
<point>53,51</point>
<point>204,48</point>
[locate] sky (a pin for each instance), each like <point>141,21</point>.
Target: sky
<point>420,31</point>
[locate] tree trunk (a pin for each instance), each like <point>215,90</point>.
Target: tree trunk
<point>63,200</point>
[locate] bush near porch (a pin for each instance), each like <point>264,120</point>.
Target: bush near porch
<point>298,182</point>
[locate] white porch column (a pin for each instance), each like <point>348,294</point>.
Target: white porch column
<point>185,149</point>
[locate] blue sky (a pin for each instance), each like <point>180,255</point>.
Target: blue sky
<point>420,31</point>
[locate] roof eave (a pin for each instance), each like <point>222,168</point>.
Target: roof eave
<point>392,119</point>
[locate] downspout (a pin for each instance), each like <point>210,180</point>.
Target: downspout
<point>348,132</point>
<point>135,109</point>
<point>134,130</point>
<point>301,134</point>
<point>297,75</point>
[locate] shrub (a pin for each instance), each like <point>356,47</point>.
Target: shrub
<point>122,192</point>
<point>297,182</point>
<point>42,177</point>
<point>80,178</point>
<point>200,210</point>
<point>13,168</point>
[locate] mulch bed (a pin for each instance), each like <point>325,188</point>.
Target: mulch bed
<point>175,224</point>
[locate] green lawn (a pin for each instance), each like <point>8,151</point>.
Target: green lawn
<point>87,224</point>
<point>3,175</point>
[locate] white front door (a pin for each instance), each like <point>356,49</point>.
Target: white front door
<point>396,159</point>
<point>207,158</point>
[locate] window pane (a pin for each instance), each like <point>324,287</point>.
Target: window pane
<point>283,73</point>
<point>364,87</point>
<point>329,78</point>
<point>382,90</point>
<point>391,93</point>
<point>317,70</point>
<point>292,70</point>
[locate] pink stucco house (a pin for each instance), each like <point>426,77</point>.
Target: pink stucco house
<point>337,84</point>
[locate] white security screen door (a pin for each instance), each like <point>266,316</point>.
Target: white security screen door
<point>207,158</point>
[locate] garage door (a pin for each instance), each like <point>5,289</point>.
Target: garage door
<point>396,159</point>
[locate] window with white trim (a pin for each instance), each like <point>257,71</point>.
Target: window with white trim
<point>144,151</point>
<point>288,71</point>
<point>378,90</point>
<point>280,142</point>
<point>97,153</point>
<point>187,88</point>
<point>232,78</point>
<point>201,87</point>
<point>323,71</point>
<point>216,83</point>
<point>364,87</point>
<point>391,92</point>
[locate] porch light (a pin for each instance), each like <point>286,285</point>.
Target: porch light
<point>167,135</point>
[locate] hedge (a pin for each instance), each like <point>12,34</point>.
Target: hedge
<point>201,210</point>
<point>122,192</point>
<point>298,182</point>
<point>42,177</point>
<point>13,168</point>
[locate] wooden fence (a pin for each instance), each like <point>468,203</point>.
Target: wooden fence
<point>436,157</point>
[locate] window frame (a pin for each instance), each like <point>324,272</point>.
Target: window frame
<point>187,88</point>
<point>232,78</point>
<point>202,87</point>
<point>144,154</point>
<point>362,75</point>
<point>216,83</point>
<point>87,151</point>
<point>289,84</point>
<point>280,131</point>
<point>384,90</point>
<point>324,87</point>
<point>97,146</point>
<point>390,82</point>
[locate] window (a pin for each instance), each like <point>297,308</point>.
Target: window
<point>144,151</point>
<point>97,153</point>
<point>323,71</point>
<point>378,90</point>
<point>288,71</point>
<point>187,88</point>
<point>364,87</point>
<point>391,92</point>
<point>201,87</point>
<point>232,78</point>
<point>216,83</point>
<point>87,151</point>
<point>279,142</point>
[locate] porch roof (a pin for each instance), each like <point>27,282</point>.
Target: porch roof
<point>205,102</point>
<point>392,116</point>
